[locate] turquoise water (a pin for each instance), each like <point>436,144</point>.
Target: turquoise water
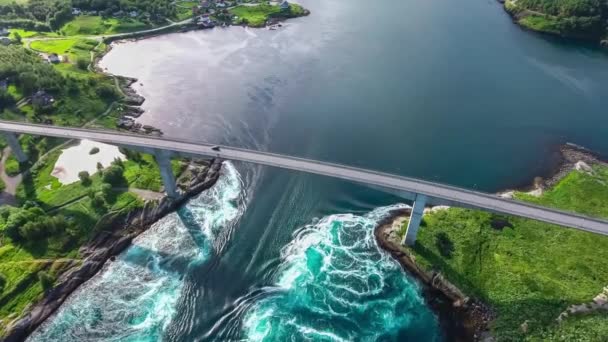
<point>135,297</point>
<point>335,284</point>
<point>447,92</point>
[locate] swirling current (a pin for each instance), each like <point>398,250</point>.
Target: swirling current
<point>135,297</point>
<point>333,283</point>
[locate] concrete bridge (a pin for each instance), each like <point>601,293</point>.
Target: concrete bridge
<point>421,192</point>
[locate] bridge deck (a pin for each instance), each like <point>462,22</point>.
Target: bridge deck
<point>441,193</point>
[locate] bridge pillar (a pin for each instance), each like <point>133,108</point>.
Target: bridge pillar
<point>13,142</point>
<point>413,225</point>
<point>166,172</point>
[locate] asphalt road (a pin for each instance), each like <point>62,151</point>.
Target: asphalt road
<point>407,187</point>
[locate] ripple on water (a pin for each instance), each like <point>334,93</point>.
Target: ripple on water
<point>134,298</point>
<point>335,284</point>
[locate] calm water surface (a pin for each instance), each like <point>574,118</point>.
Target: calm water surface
<point>455,94</point>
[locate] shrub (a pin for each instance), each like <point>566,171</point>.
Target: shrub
<point>106,190</point>
<point>82,63</point>
<point>95,150</point>
<point>98,201</point>
<point>114,175</point>
<point>444,245</point>
<point>2,282</point>
<point>46,280</point>
<point>12,166</point>
<point>106,91</point>
<point>85,178</point>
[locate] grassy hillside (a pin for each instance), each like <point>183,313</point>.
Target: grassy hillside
<point>526,270</point>
<point>96,25</point>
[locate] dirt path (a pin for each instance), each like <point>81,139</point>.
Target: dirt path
<point>8,195</point>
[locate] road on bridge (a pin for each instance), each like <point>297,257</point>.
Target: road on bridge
<point>408,187</point>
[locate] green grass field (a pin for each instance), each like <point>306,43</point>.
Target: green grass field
<point>95,25</point>
<point>184,9</point>
<point>8,2</point>
<point>539,23</point>
<point>257,16</point>
<point>72,48</point>
<point>527,271</point>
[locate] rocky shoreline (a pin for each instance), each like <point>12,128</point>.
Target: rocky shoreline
<point>119,229</point>
<point>461,318</point>
<point>464,318</point>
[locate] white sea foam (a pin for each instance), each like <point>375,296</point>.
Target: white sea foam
<point>134,298</point>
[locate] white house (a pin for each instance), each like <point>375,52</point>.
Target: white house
<point>133,14</point>
<point>284,5</point>
<point>76,11</point>
<point>4,32</point>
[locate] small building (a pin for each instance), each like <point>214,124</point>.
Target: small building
<point>76,11</point>
<point>205,21</point>
<point>5,40</point>
<point>4,32</point>
<point>133,14</point>
<point>42,99</point>
<point>205,4</point>
<point>4,84</point>
<point>54,58</point>
<point>284,5</point>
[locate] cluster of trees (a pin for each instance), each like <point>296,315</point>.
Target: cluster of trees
<point>565,8</point>
<point>50,15</point>
<point>30,223</point>
<point>27,71</point>
<point>573,17</point>
<point>39,15</point>
<point>111,177</point>
<point>156,9</point>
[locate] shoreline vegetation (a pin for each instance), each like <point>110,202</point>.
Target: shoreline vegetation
<point>583,20</point>
<point>494,277</point>
<point>58,236</point>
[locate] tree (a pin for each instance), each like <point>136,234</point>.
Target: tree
<point>98,201</point>
<point>85,178</point>
<point>106,91</point>
<point>17,37</point>
<point>28,82</point>
<point>82,63</point>
<point>6,99</point>
<point>114,175</point>
<point>106,190</point>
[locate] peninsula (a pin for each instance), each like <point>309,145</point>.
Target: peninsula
<point>576,19</point>
<point>493,276</point>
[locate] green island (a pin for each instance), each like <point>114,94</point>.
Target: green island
<point>578,19</point>
<point>538,280</point>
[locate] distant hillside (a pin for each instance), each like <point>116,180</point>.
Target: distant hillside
<point>580,19</point>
